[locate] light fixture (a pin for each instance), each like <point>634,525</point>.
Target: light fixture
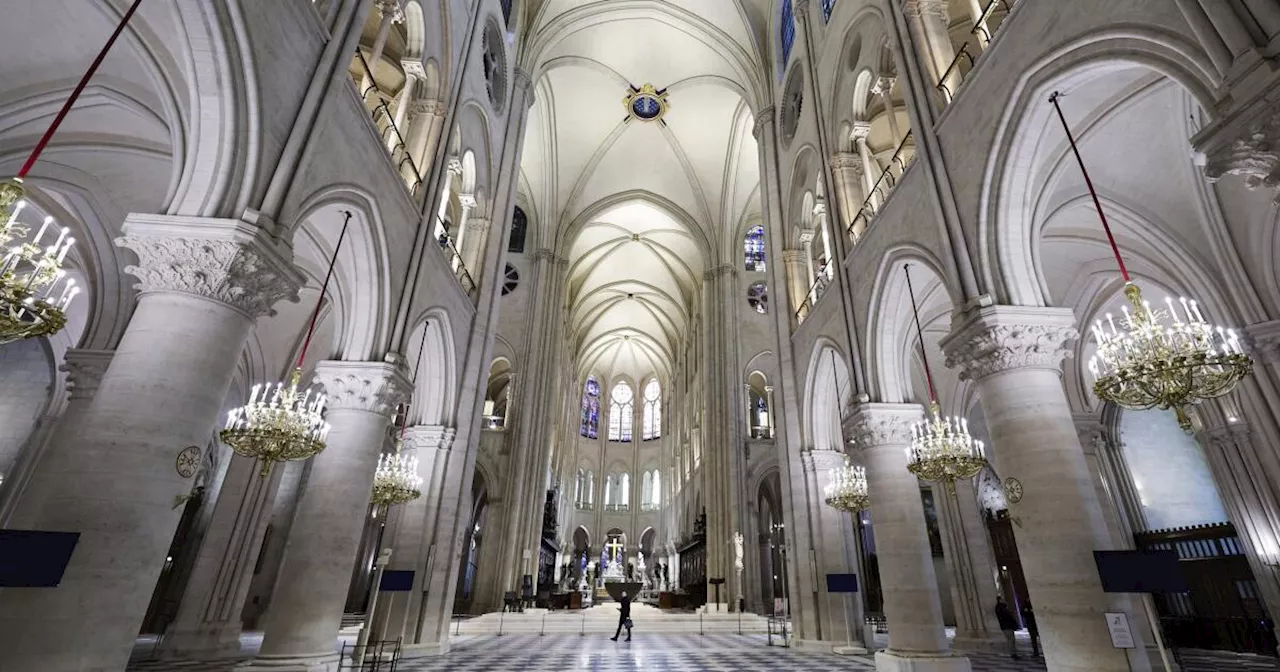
<point>1156,358</point>
<point>942,450</point>
<point>34,288</point>
<point>847,490</point>
<point>282,423</point>
<point>397,481</point>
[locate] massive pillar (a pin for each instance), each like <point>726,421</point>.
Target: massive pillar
<point>203,283</point>
<point>917,639</point>
<point>967,550</point>
<point>929,20</point>
<point>1014,355</point>
<point>306,609</point>
<point>835,551</point>
<point>208,621</point>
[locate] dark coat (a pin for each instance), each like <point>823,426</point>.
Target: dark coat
<point>625,607</point>
<point>1005,616</point>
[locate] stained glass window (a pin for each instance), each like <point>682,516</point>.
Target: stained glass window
<point>788,35</point>
<point>758,297</point>
<point>621,408</point>
<point>591,409</point>
<point>753,249</point>
<point>506,10</point>
<point>519,226</point>
<point>652,410</point>
<point>827,6</point>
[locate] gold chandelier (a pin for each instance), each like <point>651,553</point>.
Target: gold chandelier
<point>33,296</point>
<point>1155,358</point>
<point>34,288</point>
<point>942,450</point>
<point>396,480</point>
<point>847,490</point>
<point>283,423</point>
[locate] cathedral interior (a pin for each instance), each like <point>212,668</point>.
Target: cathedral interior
<point>373,329</point>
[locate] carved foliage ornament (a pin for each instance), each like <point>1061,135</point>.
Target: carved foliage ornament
<point>931,9</point>
<point>1010,346</point>
<point>1255,156</point>
<point>872,428</point>
<point>227,271</point>
<point>374,388</point>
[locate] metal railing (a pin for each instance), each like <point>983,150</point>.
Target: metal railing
<point>950,80</point>
<point>649,507</point>
<point>980,26</point>
<point>584,506</point>
<point>385,122</point>
<point>454,258</point>
<point>617,507</point>
<point>880,191</point>
<point>811,297</point>
<point>380,656</point>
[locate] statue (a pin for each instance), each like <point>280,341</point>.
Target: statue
<point>737,551</point>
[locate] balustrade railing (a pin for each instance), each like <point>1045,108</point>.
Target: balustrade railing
<point>649,507</point>
<point>584,506</point>
<point>951,79</point>
<point>984,29</point>
<point>811,297</point>
<point>454,258</point>
<point>882,187</point>
<point>982,26</point>
<point>617,507</point>
<point>385,121</point>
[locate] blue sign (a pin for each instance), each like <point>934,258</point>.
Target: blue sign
<point>396,581</point>
<point>842,583</point>
<point>33,559</point>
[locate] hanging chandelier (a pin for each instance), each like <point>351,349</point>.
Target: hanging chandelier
<point>282,423</point>
<point>397,481</point>
<point>34,288</point>
<point>1157,358</point>
<point>847,490</point>
<point>942,450</point>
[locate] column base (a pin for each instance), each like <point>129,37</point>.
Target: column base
<point>895,661</point>
<point>316,662</point>
<point>827,646</point>
<point>201,644</point>
<point>980,643</point>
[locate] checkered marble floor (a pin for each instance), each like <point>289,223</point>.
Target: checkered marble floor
<point>674,653</point>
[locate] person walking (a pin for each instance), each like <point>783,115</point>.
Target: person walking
<point>1029,620</point>
<point>624,617</point>
<point>1008,624</point>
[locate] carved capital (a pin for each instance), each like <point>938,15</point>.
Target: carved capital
<point>390,10</point>
<point>801,9</point>
<point>935,10</point>
<point>523,81</point>
<point>764,119</point>
<point>467,201</point>
<point>1246,143</point>
<point>861,129</point>
<point>880,425</point>
<point>426,438</point>
<point>996,339</point>
<point>413,68</point>
<point>883,85</point>
<point>847,161</point>
<point>821,461</point>
<point>228,261</point>
<point>374,387</point>
<point>427,107</point>
<point>84,369</point>
<point>1263,340</point>
<point>454,165</point>
<point>718,271</point>
<point>806,237</point>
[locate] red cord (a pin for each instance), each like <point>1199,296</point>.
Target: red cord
<point>404,423</point>
<point>66,107</point>
<point>928,375</point>
<point>1053,98</point>
<point>311,330</point>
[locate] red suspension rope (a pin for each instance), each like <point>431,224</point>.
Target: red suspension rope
<point>404,422</point>
<point>1053,98</point>
<point>84,81</point>
<point>928,374</point>
<point>324,289</point>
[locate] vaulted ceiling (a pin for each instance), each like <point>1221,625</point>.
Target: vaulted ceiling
<point>640,207</point>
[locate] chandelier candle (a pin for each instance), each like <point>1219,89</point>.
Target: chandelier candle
<point>1155,358</point>
<point>35,290</point>
<point>847,490</point>
<point>397,481</point>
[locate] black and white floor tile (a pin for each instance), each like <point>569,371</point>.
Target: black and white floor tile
<point>674,653</point>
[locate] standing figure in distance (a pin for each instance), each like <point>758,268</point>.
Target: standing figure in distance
<point>624,617</point>
<point>1029,620</point>
<point>1008,624</point>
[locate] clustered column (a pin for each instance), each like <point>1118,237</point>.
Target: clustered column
<point>1014,354</point>
<point>306,608</point>
<point>836,550</point>
<point>917,639</point>
<point>202,282</point>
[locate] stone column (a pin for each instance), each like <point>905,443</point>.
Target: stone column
<point>884,88</point>
<point>84,369</point>
<point>413,73</point>
<point>929,20</point>
<point>870,169</point>
<point>1014,354</point>
<point>202,282</point>
<point>917,638</point>
<point>835,552</point>
<point>468,202</point>
<point>453,168</point>
<point>390,12</point>
<point>970,561</point>
<point>409,535</point>
<point>806,239</point>
<point>473,250</point>
<point>793,261</point>
<point>426,118</point>
<point>208,621</point>
<point>822,222</point>
<point>847,173</point>
<point>306,610</point>
<point>768,391</point>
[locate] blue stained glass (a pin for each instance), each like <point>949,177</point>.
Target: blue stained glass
<point>591,410</point>
<point>827,7</point>
<point>645,107</point>
<point>753,249</point>
<point>788,36</point>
